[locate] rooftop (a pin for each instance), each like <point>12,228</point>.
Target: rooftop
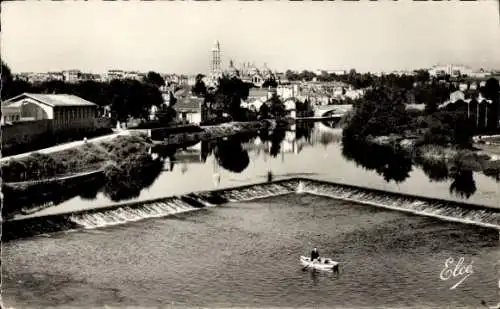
<point>189,103</point>
<point>52,99</point>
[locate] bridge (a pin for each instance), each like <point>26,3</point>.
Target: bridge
<point>333,111</point>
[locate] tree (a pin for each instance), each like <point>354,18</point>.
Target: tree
<point>306,75</point>
<point>264,111</point>
<point>92,91</point>
<point>422,76</point>
<point>228,95</point>
<point>276,107</point>
<point>154,78</point>
<point>270,82</point>
<point>380,112</point>
<point>291,76</point>
<point>166,114</point>
<point>492,92</point>
<point>6,80</point>
<point>199,88</point>
<point>131,98</point>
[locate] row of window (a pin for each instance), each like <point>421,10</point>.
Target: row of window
<point>76,113</point>
<point>11,118</point>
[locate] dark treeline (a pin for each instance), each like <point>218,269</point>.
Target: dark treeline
<point>382,111</point>
<point>364,80</point>
<point>224,102</point>
<point>124,98</point>
<point>419,88</point>
<point>390,164</point>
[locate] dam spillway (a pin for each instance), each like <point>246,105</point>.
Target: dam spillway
<point>130,212</point>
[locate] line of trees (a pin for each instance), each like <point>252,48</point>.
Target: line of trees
<point>226,98</point>
<point>125,98</point>
<point>363,80</point>
<point>382,111</point>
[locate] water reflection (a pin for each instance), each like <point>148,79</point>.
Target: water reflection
<point>392,165</point>
<point>231,156</point>
<point>234,154</point>
<point>275,138</point>
<point>124,183</point>
<point>303,130</point>
<point>396,165</point>
<point>463,184</point>
<point>436,170</point>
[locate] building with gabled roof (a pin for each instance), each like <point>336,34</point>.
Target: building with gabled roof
<point>64,110</point>
<point>31,118</point>
<point>190,109</point>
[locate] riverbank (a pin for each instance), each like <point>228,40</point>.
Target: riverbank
<point>480,158</point>
<point>83,157</point>
<point>120,168</point>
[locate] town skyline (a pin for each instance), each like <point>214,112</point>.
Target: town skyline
<point>328,36</point>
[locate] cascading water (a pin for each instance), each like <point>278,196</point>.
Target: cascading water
<point>259,191</point>
<point>129,214</point>
<point>121,214</point>
<point>170,206</point>
<point>445,210</point>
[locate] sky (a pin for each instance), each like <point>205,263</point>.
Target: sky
<point>177,36</point>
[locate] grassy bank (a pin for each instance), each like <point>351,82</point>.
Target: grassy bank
<point>125,166</point>
<point>109,155</point>
<point>81,159</point>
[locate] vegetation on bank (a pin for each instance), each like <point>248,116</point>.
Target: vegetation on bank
<point>383,112</point>
<point>395,163</point>
<point>125,164</point>
<point>121,151</point>
<point>382,134</point>
<point>223,103</point>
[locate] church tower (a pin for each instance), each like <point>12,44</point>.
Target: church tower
<point>215,60</point>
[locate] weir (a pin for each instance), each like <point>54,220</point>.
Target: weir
<point>129,212</point>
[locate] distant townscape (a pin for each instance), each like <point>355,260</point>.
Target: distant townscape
<point>44,109</point>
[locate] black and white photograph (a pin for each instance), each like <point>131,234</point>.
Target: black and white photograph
<point>250,154</point>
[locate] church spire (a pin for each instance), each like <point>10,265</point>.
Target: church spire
<point>216,46</point>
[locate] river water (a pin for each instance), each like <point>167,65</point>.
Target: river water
<point>246,253</point>
<point>315,151</point>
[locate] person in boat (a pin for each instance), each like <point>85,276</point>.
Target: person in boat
<point>314,255</point>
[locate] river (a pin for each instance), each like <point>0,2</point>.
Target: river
<point>311,152</point>
<point>246,253</point>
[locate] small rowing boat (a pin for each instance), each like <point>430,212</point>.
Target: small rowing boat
<point>319,264</point>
